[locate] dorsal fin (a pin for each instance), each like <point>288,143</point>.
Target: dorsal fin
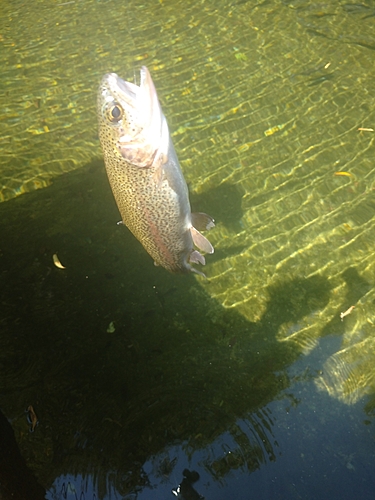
<point>202,221</point>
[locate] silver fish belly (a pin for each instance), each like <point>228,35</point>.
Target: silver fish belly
<point>145,175</point>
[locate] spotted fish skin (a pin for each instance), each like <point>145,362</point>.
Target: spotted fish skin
<point>145,175</point>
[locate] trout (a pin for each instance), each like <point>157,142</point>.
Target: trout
<point>145,175</point>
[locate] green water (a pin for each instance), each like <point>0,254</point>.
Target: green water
<point>264,101</point>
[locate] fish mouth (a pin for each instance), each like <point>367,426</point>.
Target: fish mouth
<point>149,104</point>
<point>143,99</point>
<point>143,135</point>
<point>127,88</point>
<point>114,86</point>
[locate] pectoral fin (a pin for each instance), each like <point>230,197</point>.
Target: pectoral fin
<point>201,241</point>
<point>138,153</point>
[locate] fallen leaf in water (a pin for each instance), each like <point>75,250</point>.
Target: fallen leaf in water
<point>57,262</point>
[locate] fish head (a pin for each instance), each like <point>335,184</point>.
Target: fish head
<point>131,121</point>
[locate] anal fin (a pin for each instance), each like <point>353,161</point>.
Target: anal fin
<point>197,258</point>
<point>201,241</point>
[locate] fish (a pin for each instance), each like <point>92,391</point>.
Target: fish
<point>145,175</point>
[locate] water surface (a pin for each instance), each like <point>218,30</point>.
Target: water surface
<point>251,378</point>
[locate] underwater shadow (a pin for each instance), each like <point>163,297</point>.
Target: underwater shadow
<point>119,358</point>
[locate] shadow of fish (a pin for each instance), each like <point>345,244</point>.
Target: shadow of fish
<point>145,175</point>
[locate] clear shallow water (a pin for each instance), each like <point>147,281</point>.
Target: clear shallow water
<point>264,102</point>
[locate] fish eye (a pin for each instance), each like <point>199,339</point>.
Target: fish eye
<point>114,112</point>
